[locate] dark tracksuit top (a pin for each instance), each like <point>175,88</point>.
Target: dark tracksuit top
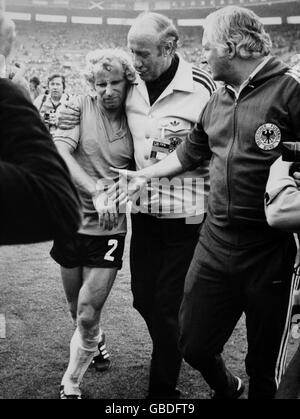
<point>243,138</point>
<point>38,200</point>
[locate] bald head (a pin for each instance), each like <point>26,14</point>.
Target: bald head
<point>7,34</point>
<point>155,27</point>
<point>152,40</point>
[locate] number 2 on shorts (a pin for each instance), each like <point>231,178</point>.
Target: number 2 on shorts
<point>108,256</point>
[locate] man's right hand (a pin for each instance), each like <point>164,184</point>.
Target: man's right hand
<point>132,182</point>
<point>68,117</point>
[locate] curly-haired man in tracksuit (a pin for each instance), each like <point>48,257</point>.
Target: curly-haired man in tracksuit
<point>240,265</point>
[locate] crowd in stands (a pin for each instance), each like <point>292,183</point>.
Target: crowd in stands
<point>47,48</point>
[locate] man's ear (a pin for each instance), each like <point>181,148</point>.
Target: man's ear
<point>168,48</point>
<point>231,48</point>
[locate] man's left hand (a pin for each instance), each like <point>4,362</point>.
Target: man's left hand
<point>106,208</point>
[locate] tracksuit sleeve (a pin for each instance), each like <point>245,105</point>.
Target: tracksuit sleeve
<point>195,149</point>
<point>38,200</point>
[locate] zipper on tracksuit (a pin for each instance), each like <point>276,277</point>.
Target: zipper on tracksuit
<point>229,158</point>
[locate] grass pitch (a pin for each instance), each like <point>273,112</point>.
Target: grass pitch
<point>34,354</point>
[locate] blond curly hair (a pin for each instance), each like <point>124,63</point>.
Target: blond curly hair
<point>104,59</point>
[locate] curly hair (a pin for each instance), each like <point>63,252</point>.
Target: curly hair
<point>240,26</point>
<point>104,59</point>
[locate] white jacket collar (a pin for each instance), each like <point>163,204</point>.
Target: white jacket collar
<point>182,81</point>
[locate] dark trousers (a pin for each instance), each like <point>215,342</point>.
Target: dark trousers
<point>160,255</point>
<point>234,272</point>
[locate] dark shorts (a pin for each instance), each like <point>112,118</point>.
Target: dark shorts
<point>89,251</point>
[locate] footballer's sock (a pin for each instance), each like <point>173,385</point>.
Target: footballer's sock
<point>101,334</point>
<point>81,355</point>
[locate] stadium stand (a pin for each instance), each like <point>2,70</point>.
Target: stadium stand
<point>46,47</point>
<point>50,47</point>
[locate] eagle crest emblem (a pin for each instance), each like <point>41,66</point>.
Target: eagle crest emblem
<point>268,137</point>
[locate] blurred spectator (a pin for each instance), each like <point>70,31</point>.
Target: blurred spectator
<point>17,75</point>
<point>49,102</point>
<point>35,88</point>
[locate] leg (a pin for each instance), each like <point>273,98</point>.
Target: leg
<point>67,252</point>
<point>179,243</point>
<point>210,309</point>
<point>72,282</point>
<point>145,264</point>
<point>93,294</point>
<point>269,304</point>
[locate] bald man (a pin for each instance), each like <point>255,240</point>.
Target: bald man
<point>162,109</point>
<point>240,264</point>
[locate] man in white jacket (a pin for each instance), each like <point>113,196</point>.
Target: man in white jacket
<point>282,198</point>
<point>282,207</point>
